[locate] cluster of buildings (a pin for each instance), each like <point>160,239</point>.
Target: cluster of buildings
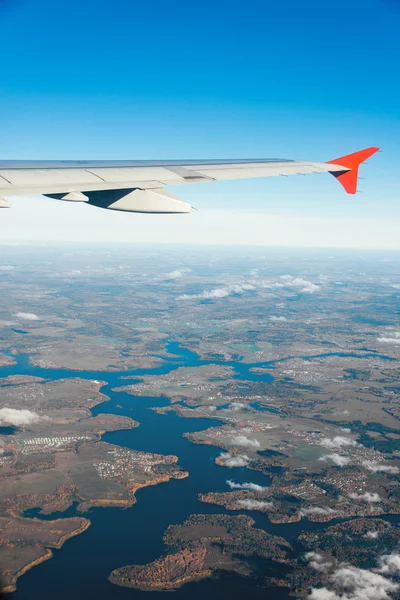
<point>40,444</point>
<point>251,425</point>
<point>124,464</point>
<point>352,482</point>
<point>306,491</point>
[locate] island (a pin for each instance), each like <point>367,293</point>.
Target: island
<point>205,545</point>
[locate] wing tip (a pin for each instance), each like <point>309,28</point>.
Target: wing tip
<point>348,178</point>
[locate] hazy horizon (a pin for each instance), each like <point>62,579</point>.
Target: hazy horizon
<point>44,220</point>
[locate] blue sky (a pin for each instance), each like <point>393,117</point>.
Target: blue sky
<point>122,79</point>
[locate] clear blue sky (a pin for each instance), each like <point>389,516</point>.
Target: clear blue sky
<point>155,79</point>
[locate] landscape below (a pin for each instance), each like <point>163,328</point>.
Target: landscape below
<point>266,404</point>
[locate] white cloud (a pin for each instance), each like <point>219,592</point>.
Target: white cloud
<point>240,288</point>
<point>240,460</point>
<point>394,340</point>
<point>177,274</point>
<point>316,561</point>
<point>27,316</point>
<point>336,458</point>
<point>376,468</point>
<point>6,268</point>
<point>255,504</point>
<point>367,497</point>
<point>310,289</point>
<point>352,583</point>
<point>389,563</point>
<point>18,418</point>
<point>313,556</point>
<point>317,510</point>
<point>371,535</point>
<point>306,287</point>
<point>7,323</point>
<point>222,292</point>
<point>397,286</point>
<point>245,486</point>
<point>337,442</point>
<point>276,319</point>
<point>235,406</point>
<point>242,440</point>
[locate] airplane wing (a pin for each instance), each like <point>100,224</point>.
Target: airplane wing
<point>138,186</point>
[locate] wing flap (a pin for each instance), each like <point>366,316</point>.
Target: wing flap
<point>268,170</point>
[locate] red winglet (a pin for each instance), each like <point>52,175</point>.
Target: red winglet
<point>348,178</point>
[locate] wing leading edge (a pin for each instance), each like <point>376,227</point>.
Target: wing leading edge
<point>137,186</point>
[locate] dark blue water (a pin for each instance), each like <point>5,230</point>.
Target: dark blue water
<point>119,537</point>
<point>8,430</point>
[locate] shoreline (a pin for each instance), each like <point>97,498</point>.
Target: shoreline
<point>14,578</point>
<point>48,552</point>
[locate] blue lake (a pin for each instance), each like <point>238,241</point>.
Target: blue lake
<point>119,537</point>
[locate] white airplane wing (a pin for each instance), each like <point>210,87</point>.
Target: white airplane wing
<point>138,186</point>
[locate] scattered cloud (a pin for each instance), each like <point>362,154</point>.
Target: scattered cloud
<point>395,339</point>
<point>371,535</point>
<point>27,316</point>
<point>6,268</point>
<point>337,442</point>
<point>389,563</point>
<point>222,292</point>
<point>242,440</point>
<point>376,468</point>
<point>316,561</point>
<point>240,460</point>
<point>245,486</point>
<point>313,556</point>
<point>18,418</point>
<point>275,319</point>
<point>336,458</point>
<point>317,510</point>
<point>353,583</point>
<point>255,504</point>
<point>177,274</point>
<point>285,281</point>
<point>367,497</point>
<point>235,406</point>
<point>306,287</point>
